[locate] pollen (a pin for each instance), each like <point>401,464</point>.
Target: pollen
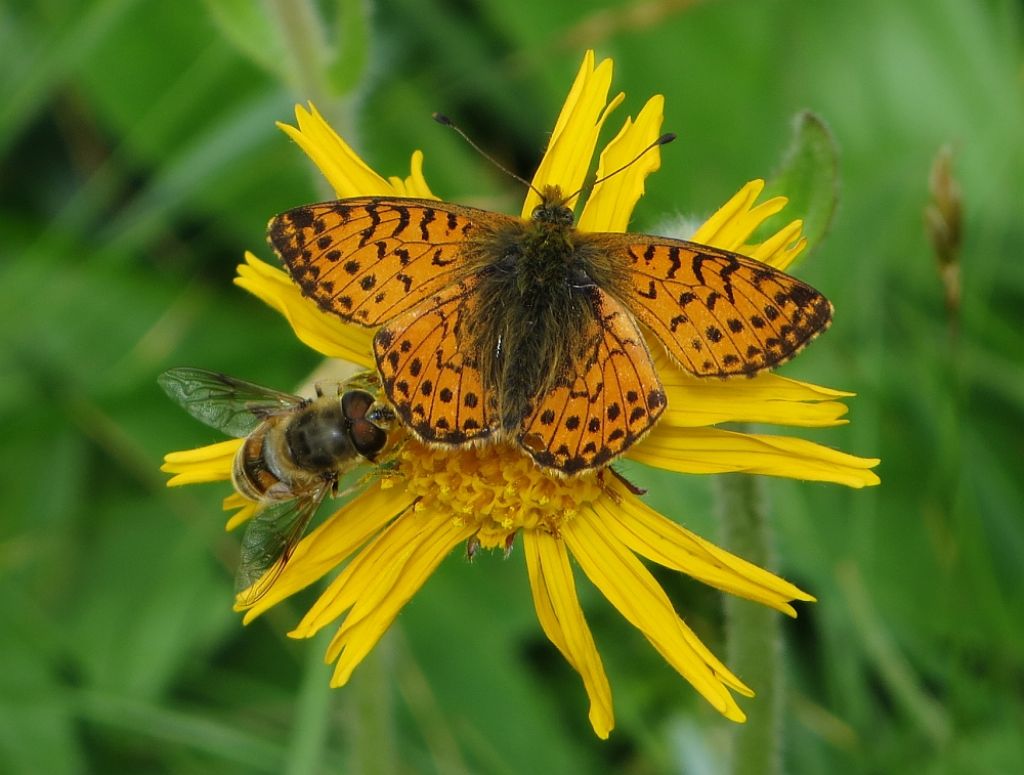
<point>495,487</point>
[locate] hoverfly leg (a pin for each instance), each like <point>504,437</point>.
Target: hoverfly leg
<point>279,491</point>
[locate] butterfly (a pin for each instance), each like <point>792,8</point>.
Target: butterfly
<point>493,327</point>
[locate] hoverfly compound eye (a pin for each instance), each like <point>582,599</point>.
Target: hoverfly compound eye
<point>355,404</point>
<point>367,438</point>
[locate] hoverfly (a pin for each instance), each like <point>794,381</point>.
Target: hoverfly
<point>294,453</point>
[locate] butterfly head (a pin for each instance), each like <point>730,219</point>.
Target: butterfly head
<point>553,208</point>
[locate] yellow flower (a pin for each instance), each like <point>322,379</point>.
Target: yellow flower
<point>396,532</point>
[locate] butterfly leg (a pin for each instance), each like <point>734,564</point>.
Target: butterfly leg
<point>633,489</point>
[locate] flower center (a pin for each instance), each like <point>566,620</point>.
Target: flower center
<point>495,487</point>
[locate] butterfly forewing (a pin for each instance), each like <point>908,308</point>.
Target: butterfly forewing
<point>269,541</point>
<point>611,398</point>
<point>428,372</point>
<point>370,259</point>
<point>719,313</point>
<point>231,405</point>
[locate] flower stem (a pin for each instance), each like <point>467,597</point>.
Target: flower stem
<point>307,42</point>
<point>372,726</point>
<point>754,646</point>
<point>312,712</point>
<point>304,41</point>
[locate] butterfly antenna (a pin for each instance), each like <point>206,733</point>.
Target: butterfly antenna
<point>665,139</point>
<point>443,120</point>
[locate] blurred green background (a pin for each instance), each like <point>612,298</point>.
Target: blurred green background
<point>140,158</point>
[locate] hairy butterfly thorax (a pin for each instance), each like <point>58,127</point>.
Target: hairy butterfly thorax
<point>537,310</point>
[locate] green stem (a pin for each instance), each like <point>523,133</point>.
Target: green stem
<point>305,45</point>
<point>372,726</point>
<point>754,650</point>
<point>309,729</point>
<point>305,40</point>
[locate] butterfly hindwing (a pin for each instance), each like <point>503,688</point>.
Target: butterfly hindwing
<point>370,259</point>
<point>719,313</point>
<point>428,371</point>
<point>608,401</point>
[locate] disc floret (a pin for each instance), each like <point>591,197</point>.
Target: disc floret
<point>496,488</point>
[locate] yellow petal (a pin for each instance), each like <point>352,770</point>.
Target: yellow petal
<point>412,529</point>
<point>348,174</point>
<point>631,588</point>
<point>767,398</point>
<point>333,541</point>
<point>384,590</point>
<point>325,333</point>
<point>611,203</point>
<point>211,463</point>
<point>734,222</point>
<point>416,184</point>
<point>648,533</point>
<point>715,451</point>
<point>561,618</point>
<point>736,219</point>
<point>350,645</point>
<point>572,144</point>
<point>781,248</point>
<point>246,509</point>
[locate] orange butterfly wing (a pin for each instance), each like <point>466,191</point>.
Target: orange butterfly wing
<point>608,402</point>
<point>719,313</point>
<point>434,385</point>
<point>370,259</point>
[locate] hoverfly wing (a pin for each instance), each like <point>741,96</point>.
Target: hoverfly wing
<point>269,541</point>
<point>231,405</point>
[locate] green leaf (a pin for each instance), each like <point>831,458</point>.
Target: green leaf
<point>37,731</point>
<point>42,56</point>
<point>163,725</point>
<point>809,177</point>
<point>352,47</point>
<point>251,29</point>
